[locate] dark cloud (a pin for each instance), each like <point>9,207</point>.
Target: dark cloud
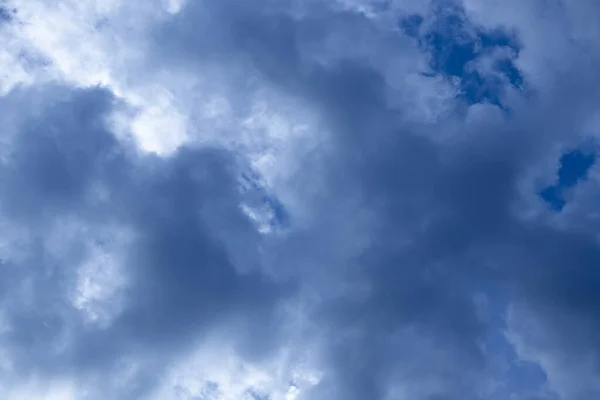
<point>438,212</point>
<point>182,279</point>
<point>416,244</point>
<point>7,15</point>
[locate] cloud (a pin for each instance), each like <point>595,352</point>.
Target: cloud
<point>84,198</point>
<point>299,200</point>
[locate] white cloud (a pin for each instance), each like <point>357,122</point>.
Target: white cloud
<point>216,372</point>
<point>100,283</point>
<point>57,389</point>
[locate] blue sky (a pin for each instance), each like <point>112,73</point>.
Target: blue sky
<point>574,167</point>
<point>299,200</point>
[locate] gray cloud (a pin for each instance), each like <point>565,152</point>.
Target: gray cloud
<point>421,235</point>
<point>453,204</point>
<point>182,281</point>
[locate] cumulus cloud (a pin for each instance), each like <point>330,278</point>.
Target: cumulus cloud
<point>299,199</point>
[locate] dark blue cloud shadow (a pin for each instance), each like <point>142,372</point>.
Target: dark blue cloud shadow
<point>6,15</point>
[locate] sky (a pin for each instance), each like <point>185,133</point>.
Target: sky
<point>299,200</point>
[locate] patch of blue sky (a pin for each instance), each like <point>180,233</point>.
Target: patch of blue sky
<point>574,167</point>
<point>455,45</point>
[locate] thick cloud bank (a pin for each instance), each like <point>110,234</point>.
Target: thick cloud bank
<point>299,200</point>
